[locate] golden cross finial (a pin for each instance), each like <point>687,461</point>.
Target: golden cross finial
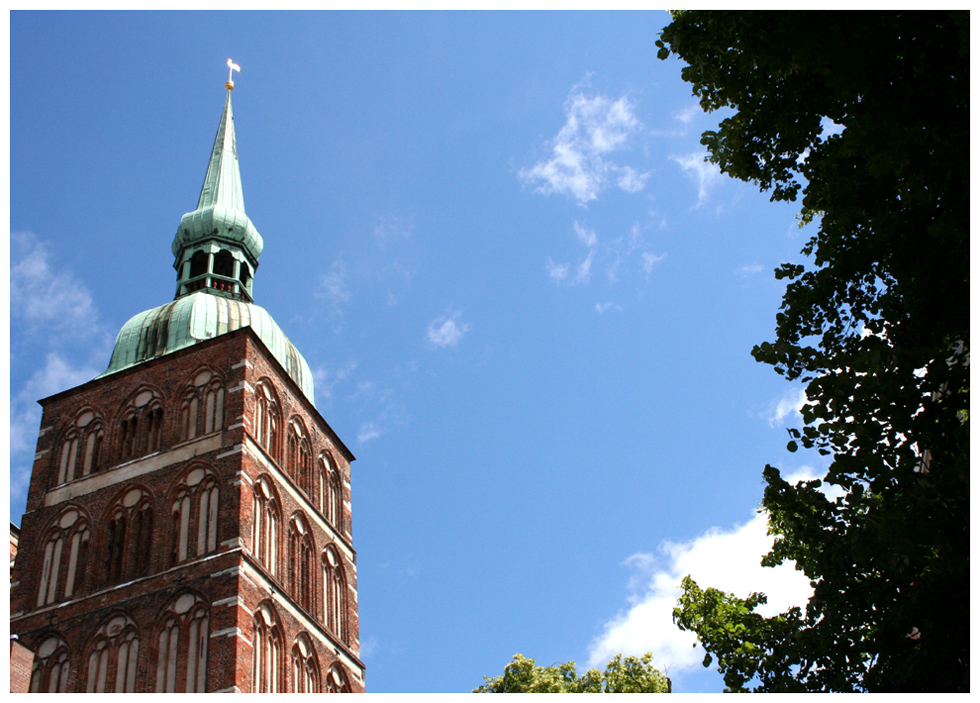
<point>232,66</point>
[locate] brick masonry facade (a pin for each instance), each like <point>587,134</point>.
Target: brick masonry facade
<point>188,528</point>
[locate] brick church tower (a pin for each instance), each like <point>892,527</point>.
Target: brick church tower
<point>188,523</point>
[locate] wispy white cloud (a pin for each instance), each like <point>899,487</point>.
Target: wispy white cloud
<point>368,431</point>
<point>650,260</point>
<point>447,331</point>
<point>728,559</point>
<point>583,272</point>
<point>557,271</point>
<point>389,267</point>
<point>560,273</point>
<point>688,113</point>
<point>327,379</point>
<point>333,286</point>
<point>605,307</point>
<point>398,280</point>
<point>786,410</point>
<point>579,166</point>
<point>379,407</point>
<point>749,269</point>
<point>704,174</point>
<point>586,236</point>
<point>44,300</point>
<point>614,256</point>
<point>631,181</point>
<point>389,229</point>
<point>369,647</point>
<point>57,340</point>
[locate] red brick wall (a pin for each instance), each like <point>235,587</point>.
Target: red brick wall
<point>21,661</point>
<point>229,578</point>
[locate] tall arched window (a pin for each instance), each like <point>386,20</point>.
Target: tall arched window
<point>337,680</point>
<point>203,407</point>
<point>182,646</point>
<point>69,454</point>
<point>128,536</point>
<point>113,657</point>
<point>266,421</point>
<point>81,447</point>
<point>65,553</point>
<point>302,570</point>
<point>265,524</point>
<point>334,594</point>
<point>154,428</point>
<point>92,458</point>
<point>323,491</point>
<point>267,643</point>
<point>293,438</point>
<point>50,671</point>
<point>194,516</point>
<point>306,670</point>
<point>214,407</point>
<point>188,415</point>
<point>335,499</point>
<point>128,435</point>
<point>141,426</point>
<point>299,457</point>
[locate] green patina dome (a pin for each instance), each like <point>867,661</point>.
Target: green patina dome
<point>219,223</point>
<point>196,318</point>
<point>217,249</point>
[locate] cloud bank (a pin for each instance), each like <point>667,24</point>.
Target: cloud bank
<point>728,559</point>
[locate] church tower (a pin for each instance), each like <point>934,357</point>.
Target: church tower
<point>188,522</point>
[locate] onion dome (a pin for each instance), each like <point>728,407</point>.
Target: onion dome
<point>197,317</point>
<point>217,250</point>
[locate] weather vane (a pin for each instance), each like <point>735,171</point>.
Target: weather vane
<point>232,66</point>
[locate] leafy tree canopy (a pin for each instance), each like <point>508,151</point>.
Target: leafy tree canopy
<point>622,675</point>
<point>864,117</point>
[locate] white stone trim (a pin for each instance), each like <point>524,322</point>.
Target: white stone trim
<point>230,632</point>
<point>132,469</point>
<point>107,589</point>
<point>234,600</point>
<point>236,450</point>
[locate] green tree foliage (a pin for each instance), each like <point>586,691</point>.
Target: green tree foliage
<point>865,116</point>
<point>622,675</point>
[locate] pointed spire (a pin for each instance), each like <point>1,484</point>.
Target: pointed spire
<point>223,182</point>
<point>217,247</point>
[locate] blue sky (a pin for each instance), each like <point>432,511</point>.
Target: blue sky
<point>528,303</point>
